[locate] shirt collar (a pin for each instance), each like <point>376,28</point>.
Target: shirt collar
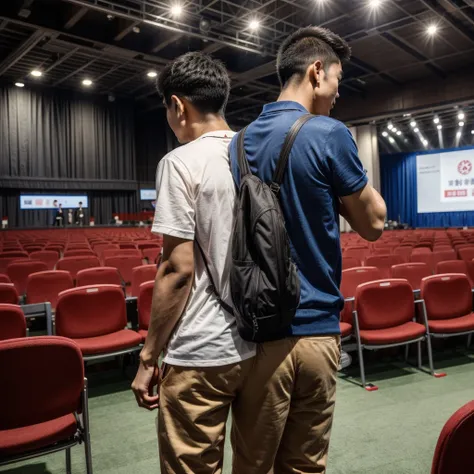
<point>283,105</point>
<point>218,134</point>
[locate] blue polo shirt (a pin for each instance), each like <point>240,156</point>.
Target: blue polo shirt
<point>323,166</point>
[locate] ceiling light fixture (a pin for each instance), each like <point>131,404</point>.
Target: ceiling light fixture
<point>436,120</point>
<point>413,124</point>
<point>36,73</point>
<point>254,25</point>
<point>385,134</point>
<point>375,3</point>
<point>87,82</point>
<point>432,30</point>
<point>19,84</point>
<point>394,129</point>
<point>391,140</point>
<point>461,124</point>
<point>152,74</point>
<point>416,130</point>
<point>458,134</point>
<point>390,126</point>
<point>461,116</point>
<point>399,132</point>
<point>176,10</point>
<point>440,127</point>
<point>472,132</point>
<point>425,142</point>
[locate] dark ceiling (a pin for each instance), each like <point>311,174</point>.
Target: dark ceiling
<point>116,42</point>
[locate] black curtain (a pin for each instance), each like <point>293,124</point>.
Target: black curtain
<point>61,137</point>
<point>103,205</point>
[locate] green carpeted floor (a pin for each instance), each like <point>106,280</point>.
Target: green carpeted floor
<point>391,431</point>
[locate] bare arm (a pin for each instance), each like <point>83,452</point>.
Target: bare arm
<point>365,211</point>
<point>172,287</point>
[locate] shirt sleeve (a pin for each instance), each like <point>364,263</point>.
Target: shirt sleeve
<point>347,173</point>
<point>174,212</point>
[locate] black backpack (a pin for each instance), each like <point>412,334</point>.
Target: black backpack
<point>264,281</point>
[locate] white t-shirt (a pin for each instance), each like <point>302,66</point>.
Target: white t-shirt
<point>195,200</point>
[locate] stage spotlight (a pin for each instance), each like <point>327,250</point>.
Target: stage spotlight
<point>425,142</point>
<point>394,129</point>
<point>19,84</point>
<point>413,124</point>
<point>440,127</point>
<point>176,10</point>
<point>87,82</point>
<point>399,132</point>
<point>436,120</point>
<point>385,134</point>
<point>461,124</point>
<point>254,25</point>
<point>36,73</point>
<point>432,30</point>
<point>375,3</point>
<point>416,130</point>
<point>391,140</point>
<point>151,74</point>
<point>390,126</point>
<point>461,116</point>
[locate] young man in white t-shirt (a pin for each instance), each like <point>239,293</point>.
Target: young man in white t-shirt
<point>206,362</point>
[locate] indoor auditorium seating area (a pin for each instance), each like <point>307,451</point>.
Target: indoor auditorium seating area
<point>82,132</point>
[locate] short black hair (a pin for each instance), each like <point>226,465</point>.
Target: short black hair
<point>55,201</point>
<point>80,203</point>
<point>306,46</point>
<point>198,78</point>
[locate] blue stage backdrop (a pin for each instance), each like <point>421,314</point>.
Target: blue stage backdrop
<point>399,189</point>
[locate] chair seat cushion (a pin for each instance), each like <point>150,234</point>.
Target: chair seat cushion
<point>403,333</point>
<point>461,324</point>
<point>143,333</point>
<point>34,437</point>
<point>116,341</point>
<point>346,329</point>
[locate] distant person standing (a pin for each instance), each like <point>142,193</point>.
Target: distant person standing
<point>70,217</point>
<point>80,216</point>
<point>59,217</point>
<point>52,213</point>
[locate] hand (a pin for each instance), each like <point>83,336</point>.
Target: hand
<point>147,377</point>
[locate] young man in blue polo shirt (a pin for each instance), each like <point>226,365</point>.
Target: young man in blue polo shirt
<point>283,418</point>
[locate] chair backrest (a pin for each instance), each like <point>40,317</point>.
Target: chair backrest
<point>8,293</point>
<point>466,254</point>
<point>12,323</point>
<point>14,253</point>
<point>74,264</point>
<point>145,297</point>
<point>384,304</point>
<point>452,266</point>
<point>151,254</point>
<point>453,452</point>
<point>350,262</point>
<point>127,245</point>
<point>48,369</point>
<point>50,257</point>
<point>98,276</point>
<point>79,253</point>
<point>90,311</point>
<point>148,245</point>
<point>6,261</point>
<point>124,264</point>
<point>447,296</point>
<point>140,275</point>
<point>351,279</point>
<point>426,258</point>
<point>45,286</point>
<point>4,278</point>
<point>357,252</point>
<point>18,273</point>
<point>442,256</point>
<point>121,253</point>
<point>420,250</point>
<point>403,252</point>
<point>413,272</point>
<point>384,263</point>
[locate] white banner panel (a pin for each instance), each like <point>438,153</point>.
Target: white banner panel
<point>45,201</point>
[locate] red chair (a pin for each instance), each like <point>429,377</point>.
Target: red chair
<point>466,254</point>
<point>33,248</point>
<point>443,256</point>
<point>357,252</point>
<point>448,305</point>
<point>51,371</point>
<point>404,253</point>
<point>384,315</point>
<point>74,264</point>
<point>384,263</point>
<point>413,272</point>
<point>453,454</point>
<point>350,262</point>
<point>50,257</point>
<point>6,261</point>
<point>455,266</point>
<point>148,245</point>
<point>4,278</point>
<point>17,253</point>
<point>152,254</point>
<point>12,323</point>
<point>18,273</point>
<point>145,298</point>
<point>8,293</point>
<point>121,253</point>
<point>127,245</point>
<point>142,274</point>
<point>351,279</point>
<point>426,258</point>
<point>421,250</point>
<point>98,276</point>
<point>45,287</point>
<point>125,265</point>
<point>79,253</point>
<point>95,318</point>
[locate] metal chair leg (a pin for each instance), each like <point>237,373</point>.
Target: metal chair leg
<point>430,354</point>
<point>407,352</point>
<point>87,437</point>
<point>68,461</point>
<point>361,363</point>
<point>420,360</point>
<point>469,340</point>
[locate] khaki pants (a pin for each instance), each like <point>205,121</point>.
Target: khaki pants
<point>283,416</point>
<point>194,408</point>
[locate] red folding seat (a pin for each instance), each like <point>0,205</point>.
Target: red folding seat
<point>384,315</point>
<point>152,254</point>
<point>358,252</point>
<point>351,279</point>
<point>125,265</point>
<point>49,257</point>
<point>412,272</point>
<point>148,245</point>
<point>455,266</point>
<point>18,273</point>
<point>453,454</point>
<point>45,287</point>
<point>79,253</point>
<point>95,318</point>
<point>8,293</point>
<point>121,253</point>
<point>426,258</point>
<point>145,298</point>
<point>5,262</point>
<point>421,250</point>
<point>404,253</point>
<point>98,276</point>
<point>4,278</point>
<point>350,262</point>
<point>52,369</point>
<point>14,253</point>
<point>466,254</point>
<point>142,274</point>
<point>12,323</point>
<point>127,245</point>
<point>443,256</point>
<point>384,263</point>
<point>448,303</point>
<point>74,264</point>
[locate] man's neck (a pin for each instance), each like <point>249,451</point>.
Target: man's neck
<point>209,123</point>
<point>294,94</point>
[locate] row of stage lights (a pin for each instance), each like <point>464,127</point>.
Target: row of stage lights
<point>414,126</point>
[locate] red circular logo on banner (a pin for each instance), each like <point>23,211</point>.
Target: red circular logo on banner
<point>465,167</point>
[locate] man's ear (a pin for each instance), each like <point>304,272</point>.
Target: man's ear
<point>178,105</point>
<point>315,73</point>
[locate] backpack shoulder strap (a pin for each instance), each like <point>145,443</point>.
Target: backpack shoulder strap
<point>241,156</point>
<point>285,151</point>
